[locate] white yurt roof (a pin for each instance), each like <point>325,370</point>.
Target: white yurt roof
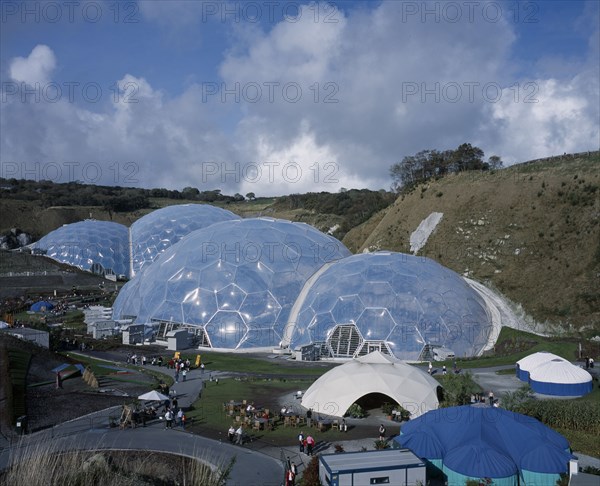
<point>336,390</point>
<point>560,371</point>
<point>534,360</point>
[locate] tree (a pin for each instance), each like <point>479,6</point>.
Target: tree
<point>467,157</point>
<point>238,197</point>
<point>251,196</point>
<point>495,162</point>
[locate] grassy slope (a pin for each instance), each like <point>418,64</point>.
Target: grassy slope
<point>531,230</point>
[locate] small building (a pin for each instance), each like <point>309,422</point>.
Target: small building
<point>178,339</point>
<point>398,467</point>
<point>41,338</point>
<point>134,334</point>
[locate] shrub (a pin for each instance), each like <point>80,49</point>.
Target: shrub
<point>381,444</point>
<point>355,411</point>
<point>310,476</point>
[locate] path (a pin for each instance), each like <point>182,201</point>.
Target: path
<point>92,431</point>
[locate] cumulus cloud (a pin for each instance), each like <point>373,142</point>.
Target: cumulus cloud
<point>35,68</point>
<point>313,105</point>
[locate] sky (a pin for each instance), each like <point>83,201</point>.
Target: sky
<point>277,97</point>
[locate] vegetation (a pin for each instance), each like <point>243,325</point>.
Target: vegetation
<point>355,411</point>
<point>354,206</point>
<point>430,164</point>
<point>310,476</point>
<point>458,389</point>
<point>43,463</point>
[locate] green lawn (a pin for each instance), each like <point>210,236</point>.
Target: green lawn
<point>247,364</point>
<point>208,417</point>
<point>524,344</point>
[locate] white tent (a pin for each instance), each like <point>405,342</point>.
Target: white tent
<point>153,395</point>
<point>334,392</point>
<point>559,377</point>
<point>528,363</point>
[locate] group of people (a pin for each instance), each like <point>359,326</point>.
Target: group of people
<point>181,368</point>
<point>236,436</point>
<point>481,398</point>
<point>173,413</point>
<point>306,444</point>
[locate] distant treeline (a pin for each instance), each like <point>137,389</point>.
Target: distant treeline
<point>430,164</point>
<point>354,205</point>
<point>112,198</point>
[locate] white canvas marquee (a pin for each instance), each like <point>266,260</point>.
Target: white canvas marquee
<point>335,391</point>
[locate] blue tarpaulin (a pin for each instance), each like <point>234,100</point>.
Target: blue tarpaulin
<point>42,306</point>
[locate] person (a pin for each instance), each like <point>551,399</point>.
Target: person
<point>381,432</point>
<point>308,417</point>
<point>301,441</point>
<point>231,433</point>
<point>177,377</point>
<point>430,368</point>
<point>290,478</point>
<point>310,443</point>
<point>472,398</point>
<point>239,434</point>
<point>183,419</point>
<point>180,417</point>
<point>491,397</point>
<point>344,426</point>
<point>169,419</point>
<point>587,363</point>
<point>202,367</point>
<point>592,363</point>
<point>184,374</point>
<point>143,360</point>
<point>444,370</point>
<point>283,410</point>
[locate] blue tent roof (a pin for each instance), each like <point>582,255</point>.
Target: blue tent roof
<point>42,305</point>
<point>486,441</point>
<point>479,459</point>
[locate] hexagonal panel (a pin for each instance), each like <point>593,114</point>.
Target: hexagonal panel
<point>226,330</point>
<point>230,298</point>
<point>375,324</point>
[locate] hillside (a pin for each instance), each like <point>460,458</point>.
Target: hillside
<point>531,231</point>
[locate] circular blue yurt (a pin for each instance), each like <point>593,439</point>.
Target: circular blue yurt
<point>487,444</point>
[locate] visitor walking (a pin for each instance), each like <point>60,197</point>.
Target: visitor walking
<point>310,443</point>
<point>381,432</point>
<point>239,434</point>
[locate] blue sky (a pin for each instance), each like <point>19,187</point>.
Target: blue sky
<point>287,97</point>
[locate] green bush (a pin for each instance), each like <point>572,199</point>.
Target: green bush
<point>355,411</point>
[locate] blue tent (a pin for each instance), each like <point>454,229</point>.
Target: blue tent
<point>478,442</point>
<point>42,306</point>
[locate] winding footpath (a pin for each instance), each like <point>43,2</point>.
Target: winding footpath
<point>92,432</point>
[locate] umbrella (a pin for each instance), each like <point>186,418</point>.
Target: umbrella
<point>153,395</point>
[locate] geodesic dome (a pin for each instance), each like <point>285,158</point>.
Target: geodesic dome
<point>235,282</point>
<point>153,233</point>
<point>97,246</point>
<point>392,302</point>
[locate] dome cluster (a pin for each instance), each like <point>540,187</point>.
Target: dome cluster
<point>259,283</point>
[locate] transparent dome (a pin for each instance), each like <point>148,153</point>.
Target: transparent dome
<point>393,302</point>
<point>154,233</point>
<point>97,246</point>
<point>237,280</point>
